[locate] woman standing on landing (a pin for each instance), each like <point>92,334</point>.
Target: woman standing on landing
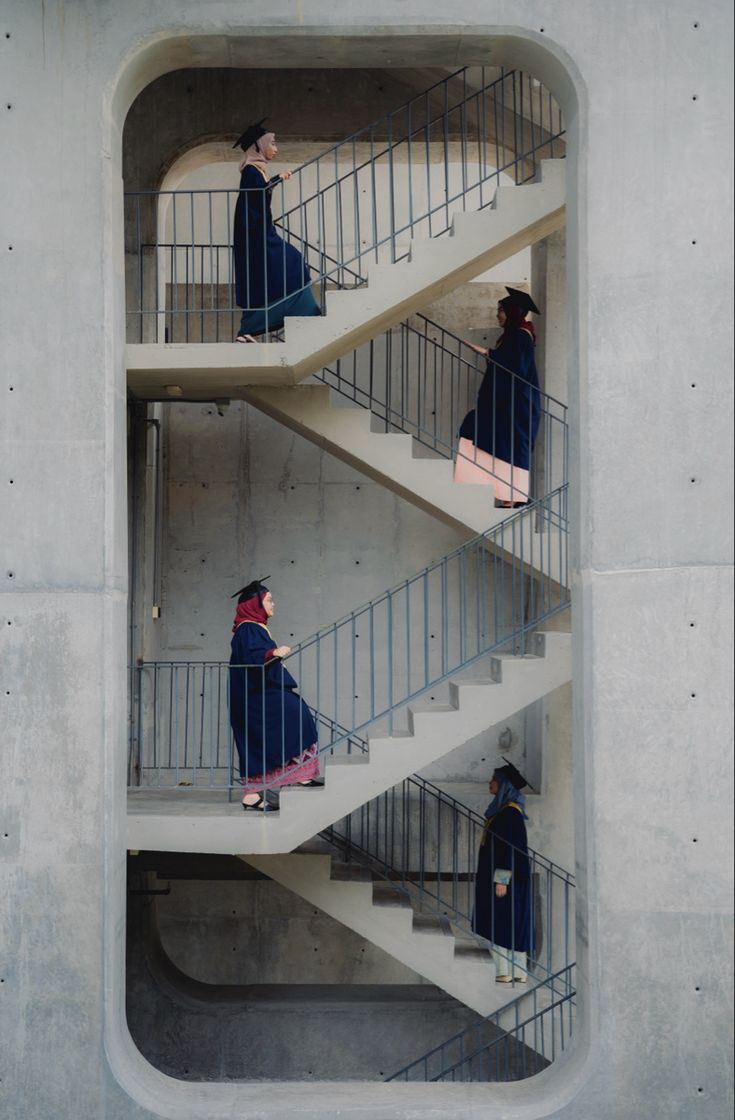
<point>271,276</point>
<point>275,735</point>
<point>497,438</point>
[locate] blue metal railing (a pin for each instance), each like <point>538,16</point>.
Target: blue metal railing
<point>517,1041</point>
<point>362,671</point>
<point>360,201</point>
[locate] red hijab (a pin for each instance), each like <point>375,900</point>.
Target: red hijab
<point>251,610</point>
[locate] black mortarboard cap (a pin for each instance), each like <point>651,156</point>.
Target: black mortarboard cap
<point>252,133</point>
<point>257,587</point>
<point>513,775</point>
<point>520,299</point>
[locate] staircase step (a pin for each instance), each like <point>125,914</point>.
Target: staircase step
<point>350,872</point>
<point>384,894</point>
<point>465,950</point>
<point>432,924</point>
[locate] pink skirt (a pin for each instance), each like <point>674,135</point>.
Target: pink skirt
<point>475,465</point>
<point>300,769</point>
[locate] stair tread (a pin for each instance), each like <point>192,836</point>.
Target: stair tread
<point>432,924</point>
<point>472,950</point>
<point>350,873</point>
<point>386,895</point>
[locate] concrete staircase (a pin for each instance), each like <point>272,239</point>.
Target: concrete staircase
<point>202,821</point>
<point>477,241</point>
<point>384,915</point>
<point>398,462</point>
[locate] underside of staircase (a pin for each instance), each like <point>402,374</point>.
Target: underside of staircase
<point>190,820</point>
<point>397,461</point>
<point>477,240</point>
<point>383,914</point>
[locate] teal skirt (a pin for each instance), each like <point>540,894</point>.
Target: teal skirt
<point>270,318</point>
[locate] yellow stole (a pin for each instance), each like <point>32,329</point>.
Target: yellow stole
<point>488,822</point>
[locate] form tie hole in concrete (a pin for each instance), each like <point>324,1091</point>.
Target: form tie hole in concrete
<point>693,695</point>
<point>692,625</point>
<point>692,480</point>
<point>694,241</point>
<point>694,839</point>
<point>10,248</point>
<point>11,575</point>
<point>695,26</point>
<point>695,97</point>
<point>694,384</point>
<point>697,988</point>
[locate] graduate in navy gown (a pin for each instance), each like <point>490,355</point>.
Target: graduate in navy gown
<point>271,276</point>
<point>503,908</point>
<point>497,437</point>
<point>274,731</point>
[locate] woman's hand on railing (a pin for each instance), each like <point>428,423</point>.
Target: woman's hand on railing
<point>478,349</point>
<point>281,651</point>
<point>500,890</point>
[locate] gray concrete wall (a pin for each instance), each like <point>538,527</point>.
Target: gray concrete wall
<point>640,85</point>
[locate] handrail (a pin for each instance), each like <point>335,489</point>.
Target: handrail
<point>529,1034</point>
<point>335,202</point>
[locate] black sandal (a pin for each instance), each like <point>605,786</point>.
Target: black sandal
<point>261,805</point>
<point>313,782</point>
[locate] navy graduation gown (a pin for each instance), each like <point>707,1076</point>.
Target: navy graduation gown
<point>266,268</point>
<point>270,722</point>
<point>504,921</point>
<point>506,420</point>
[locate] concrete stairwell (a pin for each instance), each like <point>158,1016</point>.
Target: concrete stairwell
<point>519,216</point>
<point>384,915</point>
<point>203,821</point>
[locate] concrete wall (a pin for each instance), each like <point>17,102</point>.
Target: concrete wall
<point>640,85</point>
